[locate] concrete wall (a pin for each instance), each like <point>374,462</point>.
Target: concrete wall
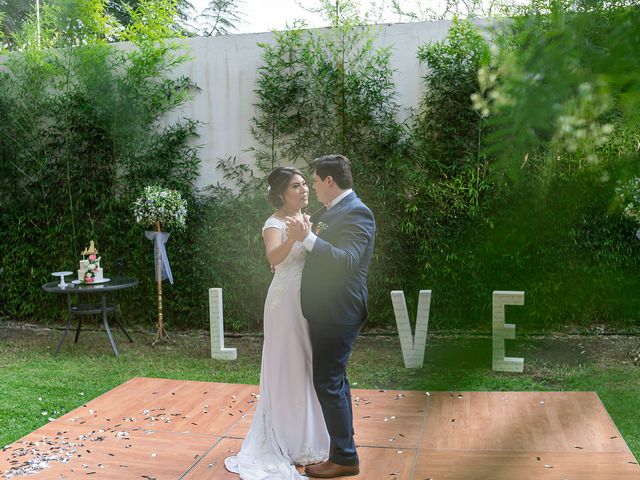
<point>226,69</point>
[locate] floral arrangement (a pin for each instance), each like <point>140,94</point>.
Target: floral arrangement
<point>321,227</point>
<point>92,268</point>
<point>161,205</point>
<point>629,196</point>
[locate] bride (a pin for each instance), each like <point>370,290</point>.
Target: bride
<point>288,427</point>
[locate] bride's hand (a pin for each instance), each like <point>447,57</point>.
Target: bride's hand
<point>297,230</point>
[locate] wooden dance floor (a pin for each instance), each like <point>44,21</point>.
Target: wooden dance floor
<point>168,429</point>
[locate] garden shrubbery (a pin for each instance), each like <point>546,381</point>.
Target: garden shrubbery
<point>488,186</point>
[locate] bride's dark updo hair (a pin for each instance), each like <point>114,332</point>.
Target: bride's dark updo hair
<point>278,182</point>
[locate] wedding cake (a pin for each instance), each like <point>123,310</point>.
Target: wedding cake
<point>90,270</point>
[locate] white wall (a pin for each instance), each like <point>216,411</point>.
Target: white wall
<point>226,68</point>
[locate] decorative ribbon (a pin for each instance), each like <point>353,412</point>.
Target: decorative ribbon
<point>159,241</point>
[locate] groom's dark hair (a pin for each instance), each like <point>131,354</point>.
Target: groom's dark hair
<point>336,166</point>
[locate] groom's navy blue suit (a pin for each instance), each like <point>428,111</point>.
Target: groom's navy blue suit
<point>334,301</point>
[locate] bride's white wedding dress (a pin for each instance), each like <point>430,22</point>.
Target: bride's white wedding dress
<point>288,427</point>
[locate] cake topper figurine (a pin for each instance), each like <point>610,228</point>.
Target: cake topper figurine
<point>89,251</point>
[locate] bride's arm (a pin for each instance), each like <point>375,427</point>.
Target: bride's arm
<point>276,249</point>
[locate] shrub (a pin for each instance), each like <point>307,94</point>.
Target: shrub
<point>81,133</point>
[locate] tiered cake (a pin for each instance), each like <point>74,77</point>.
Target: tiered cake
<point>90,270</point>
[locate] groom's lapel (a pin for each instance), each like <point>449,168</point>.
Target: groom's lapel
<point>316,216</point>
<point>337,208</point>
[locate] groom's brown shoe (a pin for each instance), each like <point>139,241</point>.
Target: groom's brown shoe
<point>329,469</point>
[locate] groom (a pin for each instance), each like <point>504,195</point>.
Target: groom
<point>334,300</point>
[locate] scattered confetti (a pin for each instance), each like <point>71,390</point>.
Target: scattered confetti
<point>30,458</point>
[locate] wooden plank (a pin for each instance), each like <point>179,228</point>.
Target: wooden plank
<point>400,401</point>
<point>106,454</point>
<point>211,466</point>
<point>169,405</point>
<point>388,418</point>
<point>550,421</point>
<point>509,465</point>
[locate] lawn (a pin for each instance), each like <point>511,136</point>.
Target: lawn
<point>37,386</point>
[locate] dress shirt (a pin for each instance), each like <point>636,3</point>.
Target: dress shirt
<point>310,240</point>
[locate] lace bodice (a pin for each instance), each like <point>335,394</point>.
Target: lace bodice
<point>295,260</point>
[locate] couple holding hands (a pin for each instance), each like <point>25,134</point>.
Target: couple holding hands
<point>314,310</point>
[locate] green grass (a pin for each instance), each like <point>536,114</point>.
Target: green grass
<point>34,381</point>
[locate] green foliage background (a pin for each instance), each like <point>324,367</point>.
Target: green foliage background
<point>467,200</point>
<point>81,134</point>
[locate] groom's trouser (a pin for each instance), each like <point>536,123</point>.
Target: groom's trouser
<point>331,346</point>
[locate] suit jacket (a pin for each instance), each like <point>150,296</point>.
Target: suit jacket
<point>334,279</point>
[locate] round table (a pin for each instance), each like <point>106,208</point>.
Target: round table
<point>103,308</point>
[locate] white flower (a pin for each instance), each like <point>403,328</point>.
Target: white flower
<point>629,195</point>
<point>607,128</point>
<point>160,205</point>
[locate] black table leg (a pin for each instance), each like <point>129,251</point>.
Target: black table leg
<point>124,330</point>
<point>115,318</point>
<point>66,330</point>
<point>78,329</point>
<point>106,324</point>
